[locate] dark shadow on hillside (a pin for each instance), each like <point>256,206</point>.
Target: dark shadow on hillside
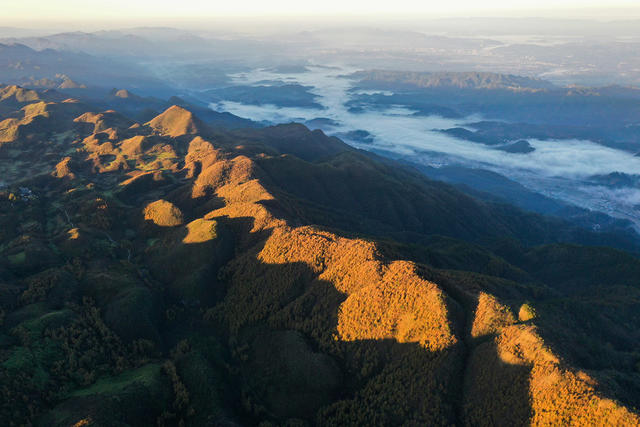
<point>600,336</point>
<point>587,312</point>
<point>280,321</point>
<point>496,392</point>
<point>587,331</point>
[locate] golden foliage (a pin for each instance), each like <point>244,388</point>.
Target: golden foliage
<point>107,121</point>
<point>526,312</point>
<point>201,230</point>
<point>163,213</point>
<point>9,130</point>
<point>63,169</point>
<point>174,122</point>
<point>517,359</point>
<point>400,306</point>
<point>216,174</point>
<point>18,93</point>
<point>133,146</point>
<point>490,316</point>
<point>202,155</point>
<point>35,109</point>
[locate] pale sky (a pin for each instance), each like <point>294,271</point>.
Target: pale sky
<point>21,11</point>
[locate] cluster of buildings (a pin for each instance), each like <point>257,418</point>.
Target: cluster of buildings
<point>23,193</point>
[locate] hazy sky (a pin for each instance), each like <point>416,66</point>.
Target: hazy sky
<point>25,11</point>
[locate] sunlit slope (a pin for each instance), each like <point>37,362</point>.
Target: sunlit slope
<point>176,121</point>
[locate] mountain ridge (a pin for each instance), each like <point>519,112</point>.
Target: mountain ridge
<point>176,121</point>
<point>461,80</point>
<point>251,304</point>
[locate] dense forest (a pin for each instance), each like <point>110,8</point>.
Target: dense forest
<point>181,272</point>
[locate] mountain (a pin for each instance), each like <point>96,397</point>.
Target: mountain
<point>460,80</point>
<point>124,94</point>
<point>145,108</point>
<point>36,119</point>
<point>78,41</point>
<point>18,32</point>
<point>213,118</point>
<point>22,64</point>
<point>60,81</point>
<point>176,121</point>
<point>184,274</point>
<point>67,83</point>
<point>17,95</point>
<point>141,42</point>
<point>512,108</point>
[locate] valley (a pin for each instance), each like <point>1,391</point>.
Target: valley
<point>553,166</point>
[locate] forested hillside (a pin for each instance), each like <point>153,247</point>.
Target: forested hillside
<point>172,272</point>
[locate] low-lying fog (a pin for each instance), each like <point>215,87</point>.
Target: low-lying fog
<point>557,168</point>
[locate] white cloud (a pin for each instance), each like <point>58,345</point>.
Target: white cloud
<point>557,168</point>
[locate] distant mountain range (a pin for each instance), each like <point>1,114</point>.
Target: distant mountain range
<point>460,80</point>
<point>135,41</point>
<point>24,65</point>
